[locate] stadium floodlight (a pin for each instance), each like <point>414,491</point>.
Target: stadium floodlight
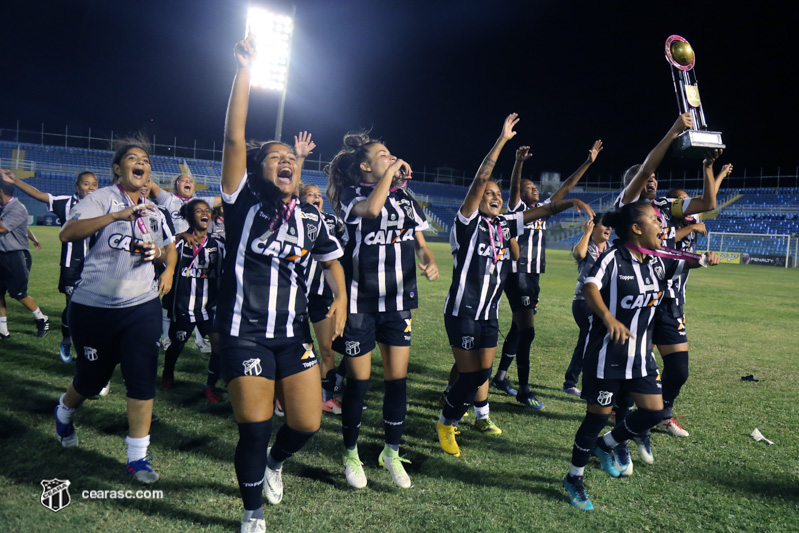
<point>273,33</point>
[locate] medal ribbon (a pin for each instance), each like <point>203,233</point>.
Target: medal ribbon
<point>494,251</point>
<point>139,219</point>
<point>670,253</point>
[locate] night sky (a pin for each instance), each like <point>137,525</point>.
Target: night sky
<point>434,79</point>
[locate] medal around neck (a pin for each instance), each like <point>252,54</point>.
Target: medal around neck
<point>695,142</point>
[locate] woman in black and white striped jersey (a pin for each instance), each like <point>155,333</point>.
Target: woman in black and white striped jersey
<point>262,309</point>
<point>114,314</point>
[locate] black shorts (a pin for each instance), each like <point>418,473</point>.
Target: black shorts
<point>14,274</point>
<point>605,391</point>
<point>469,334</point>
<point>180,330</point>
<point>669,324</point>
<point>522,291</point>
<point>273,359</point>
<point>318,306</point>
<point>364,330</point>
<point>68,279</point>
<point>105,337</point>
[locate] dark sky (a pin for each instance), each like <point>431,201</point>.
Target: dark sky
<point>434,79</point>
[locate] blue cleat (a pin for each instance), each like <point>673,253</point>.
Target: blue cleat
<point>529,400</point>
<point>66,432</point>
<point>141,470</point>
<point>504,386</point>
<point>624,463</point>
<point>645,449</point>
<point>606,460</point>
<point>65,352</point>
<point>576,490</point>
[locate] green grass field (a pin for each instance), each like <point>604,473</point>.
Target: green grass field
<point>741,320</point>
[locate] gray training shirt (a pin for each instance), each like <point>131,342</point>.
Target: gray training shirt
<point>112,275</point>
<point>14,216</point>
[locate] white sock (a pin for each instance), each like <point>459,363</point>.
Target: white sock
<point>198,337</point>
<point>64,413</point>
<point>481,412</point>
<point>38,314</point>
<point>609,440</point>
<point>576,470</point>
<point>164,324</point>
<point>137,448</point>
<point>4,325</point>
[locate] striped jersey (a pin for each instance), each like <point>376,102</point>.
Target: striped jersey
<point>263,288</point>
<point>379,261</point>
<point>631,290</point>
<point>532,242</point>
<point>195,287</point>
<point>686,244</point>
<point>585,265</point>
<point>316,279</point>
<point>72,253</point>
<point>481,263</point>
<point>113,274</point>
<point>173,203</point>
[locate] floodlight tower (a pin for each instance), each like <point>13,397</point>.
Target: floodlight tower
<point>273,34</point>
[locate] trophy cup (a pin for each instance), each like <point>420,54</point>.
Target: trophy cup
<point>692,143</point>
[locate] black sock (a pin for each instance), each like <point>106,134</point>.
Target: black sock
<point>586,438</point>
<point>171,357</point>
<point>250,461</point>
<point>395,406</point>
<point>526,338</point>
<point>508,349</point>
<point>461,396</point>
<point>328,384</point>
<point>674,376</point>
<point>214,369</point>
<point>288,442</point>
<point>352,410</point>
<point>636,424</point>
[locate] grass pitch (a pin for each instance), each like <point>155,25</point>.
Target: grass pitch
<point>741,320</point>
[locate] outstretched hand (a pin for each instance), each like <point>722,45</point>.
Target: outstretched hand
<point>303,145</point>
<point>7,176</point>
<point>508,125</point>
<point>594,150</point>
<point>711,156</point>
<point>245,52</point>
<point>523,153</point>
<point>581,206</point>
<point>725,171</point>
<point>683,122</point>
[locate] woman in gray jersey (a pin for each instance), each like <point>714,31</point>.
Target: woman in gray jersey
<point>114,313</point>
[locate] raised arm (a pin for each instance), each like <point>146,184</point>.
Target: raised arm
<point>572,180</point>
<point>653,160</point>
<point>581,248</point>
<point>708,200</point>
<point>522,154</point>
<point>303,147</point>
<point>472,201</point>
<point>155,190</point>
<point>30,190</point>
<point>373,204</point>
<point>234,152</point>
<point>558,206</point>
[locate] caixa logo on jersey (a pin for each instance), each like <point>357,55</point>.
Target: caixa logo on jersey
<point>388,236</point>
<point>55,494</point>
<point>649,299</point>
<point>288,252</point>
<point>122,242</point>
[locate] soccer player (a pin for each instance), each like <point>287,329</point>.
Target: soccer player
<point>587,250</point>
<point>384,228</point>
<point>479,240</point>
<point>72,254</point>
<point>114,314</point>
<point>14,270</point>
<point>192,301</point>
<point>623,289</point>
<point>523,286</point>
<point>670,332</point>
<point>320,297</point>
<point>262,308</point>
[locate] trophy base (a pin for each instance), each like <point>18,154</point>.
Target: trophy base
<point>694,144</point>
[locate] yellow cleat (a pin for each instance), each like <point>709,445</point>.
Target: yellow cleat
<point>487,426</point>
<point>446,437</point>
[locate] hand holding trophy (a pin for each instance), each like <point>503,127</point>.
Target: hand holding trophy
<point>693,143</point>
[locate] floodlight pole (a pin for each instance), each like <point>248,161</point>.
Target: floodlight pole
<point>279,125</point>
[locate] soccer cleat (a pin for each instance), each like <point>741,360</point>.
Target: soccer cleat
<point>574,391</point>
<point>203,345</point>
<point>576,490</point>
<point>670,425</point>
<point>65,352</point>
<point>165,343</point>
<point>391,461</point>
<point>66,432</point>
<point>446,437</point>
<point>279,409</point>
<point>141,470</point>
<point>645,449</point>
<point>212,395</point>
<point>252,525</point>
<point>4,336</point>
<point>331,406</point>
<point>504,386</point>
<point>273,483</point>
<point>624,463</point>
<point>487,426</point>
<point>42,327</point>
<point>529,401</point>
<point>606,460</point>
<point>353,468</point>
<point>105,390</point>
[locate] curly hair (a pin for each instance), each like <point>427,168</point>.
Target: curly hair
<point>268,193</point>
<point>187,211</point>
<point>344,170</point>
